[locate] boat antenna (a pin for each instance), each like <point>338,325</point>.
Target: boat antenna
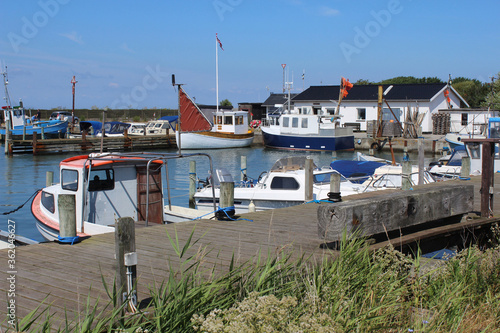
<point>73,82</point>
<point>6,83</point>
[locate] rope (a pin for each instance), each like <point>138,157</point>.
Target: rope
<point>463,178</point>
<point>228,209</point>
<point>68,240</point>
<point>15,210</point>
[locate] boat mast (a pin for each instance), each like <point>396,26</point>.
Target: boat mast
<point>7,98</point>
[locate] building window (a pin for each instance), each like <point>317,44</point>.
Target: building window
<point>295,122</point>
<point>330,111</point>
<point>388,115</point>
<point>361,114</point>
<point>465,119</point>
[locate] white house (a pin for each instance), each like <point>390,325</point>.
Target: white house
<point>360,105</point>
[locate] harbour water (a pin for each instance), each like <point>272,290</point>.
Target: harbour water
<point>22,175</point>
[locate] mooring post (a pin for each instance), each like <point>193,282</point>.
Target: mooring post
<point>7,136</point>
<point>192,183</point>
<point>49,178</point>
<point>24,132</point>
<point>421,155</point>
<point>406,175</point>
<point>487,175</point>
<point>34,142</point>
<point>334,194</point>
<point>126,258</point>
<point>43,133</point>
<point>309,180</point>
<point>226,201</point>
<point>67,215</point>
<point>243,168</point>
<point>465,169</point>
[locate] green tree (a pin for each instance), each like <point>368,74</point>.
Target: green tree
<point>362,82</point>
<point>472,90</point>
<point>411,80</point>
<point>492,99</point>
<point>226,102</point>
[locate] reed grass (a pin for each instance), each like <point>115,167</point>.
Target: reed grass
<point>354,290</point>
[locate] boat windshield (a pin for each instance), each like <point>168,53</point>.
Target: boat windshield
<point>290,163</point>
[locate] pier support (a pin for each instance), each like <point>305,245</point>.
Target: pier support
<point>406,175</point>
<point>465,169</point>
<point>243,168</point>
<point>49,178</point>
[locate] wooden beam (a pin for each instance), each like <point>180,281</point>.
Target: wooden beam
<point>393,211</point>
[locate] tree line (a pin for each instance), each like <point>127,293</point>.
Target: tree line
<point>477,94</point>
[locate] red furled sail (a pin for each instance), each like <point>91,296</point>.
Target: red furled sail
<point>191,117</point>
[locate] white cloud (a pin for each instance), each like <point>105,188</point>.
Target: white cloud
<point>327,11</point>
<point>125,47</point>
<point>73,36</point>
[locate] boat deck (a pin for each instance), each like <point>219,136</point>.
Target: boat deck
<point>66,277</point>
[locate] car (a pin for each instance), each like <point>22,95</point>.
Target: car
<point>63,115</point>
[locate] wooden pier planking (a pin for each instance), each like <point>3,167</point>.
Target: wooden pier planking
<point>66,275</point>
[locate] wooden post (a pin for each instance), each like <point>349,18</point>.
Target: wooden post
<point>334,194</point>
<point>24,132</point>
<point>243,168</point>
<point>308,184</point>
<point>35,139</point>
<point>465,169</point>
<point>124,244</point>
<point>371,152</point>
<point>334,155</point>
<point>192,183</point>
<point>67,215</point>
<point>421,156</point>
<point>406,175</point>
<point>43,133</point>
<point>487,175</point>
<point>7,136</point>
<point>226,201</point>
<point>49,178</point>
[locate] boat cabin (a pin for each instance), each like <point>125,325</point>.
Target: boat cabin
<point>235,122</point>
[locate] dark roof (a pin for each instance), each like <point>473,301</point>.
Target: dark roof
<point>370,92</point>
<point>274,99</point>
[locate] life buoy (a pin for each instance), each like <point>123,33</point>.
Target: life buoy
<point>375,145</point>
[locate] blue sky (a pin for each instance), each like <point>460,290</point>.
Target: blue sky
<point>124,52</point>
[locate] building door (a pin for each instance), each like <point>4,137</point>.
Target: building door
<point>155,210</point>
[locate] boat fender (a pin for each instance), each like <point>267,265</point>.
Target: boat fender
<point>251,207</point>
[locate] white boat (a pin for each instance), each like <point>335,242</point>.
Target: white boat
<point>106,187</point>
<point>282,186</point>
<point>229,129</point>
<point>390,177</point>
<point>449,166</point>
<point>136,128</point>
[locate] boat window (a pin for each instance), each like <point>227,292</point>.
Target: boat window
<point>158,125</point>
<point>69,179</point>
<point>101,180</point>
<point>304,122</point>
<point>48,201</point>
<point>286,122</point>
<point>295,122</point>
<point>284,183</point>
<point>218,120</point>
<point>324,178</point>
<point>165,126</point>
<point>239,120</point>
<point>474,151</point>
<point>228,120</point>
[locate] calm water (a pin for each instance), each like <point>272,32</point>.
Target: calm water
<point>22,175</point>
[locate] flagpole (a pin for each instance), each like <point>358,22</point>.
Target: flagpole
<point>217,72</point>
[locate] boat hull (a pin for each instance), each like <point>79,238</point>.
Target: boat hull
<point>308,142</point>
<point>213,140</point>
<point>51,129</point>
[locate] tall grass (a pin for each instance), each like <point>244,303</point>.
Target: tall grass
<point>352,290</point>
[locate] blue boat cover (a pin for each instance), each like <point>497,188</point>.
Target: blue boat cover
<point>349,168</point>
<point>443,254</point>
<point>171,119</point>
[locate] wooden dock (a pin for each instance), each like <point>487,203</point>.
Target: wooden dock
<point>91,144</point>
<point>64,276</point>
